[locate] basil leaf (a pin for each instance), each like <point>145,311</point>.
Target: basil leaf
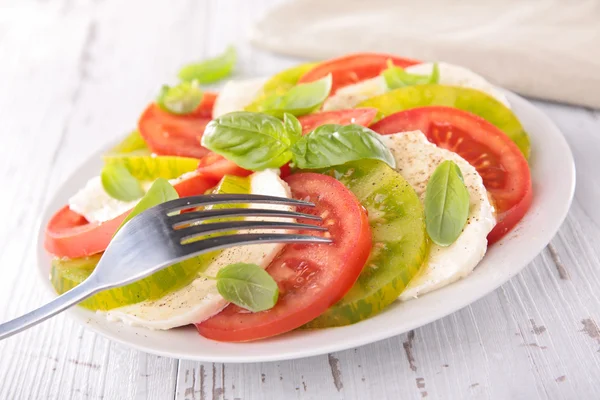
<point>299,100</point>
<point>292,125</point>
<point>333,144</point>
<point>396,77</point>
<point>118,182</point>
<point>247,286</point>
<point>181,99</point>
<point>279,84</point>
<point>253,141</point>
<point>211,70</point>
<point>446,204</point>
<point>160,192</point>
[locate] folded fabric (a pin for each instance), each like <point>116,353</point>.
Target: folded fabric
<point>547,49</point>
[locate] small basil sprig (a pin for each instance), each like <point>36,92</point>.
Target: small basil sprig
<point>160,192</point>
<point>211,70</point>
<point>333,144</point>
<point>119,184</point>
<point>252,140</point>
<point>299,100</point>
<point>446,204</point>
<point>257,141</point>
<point>247,286</point>
<point>396,77</point>
<point>181,99</point>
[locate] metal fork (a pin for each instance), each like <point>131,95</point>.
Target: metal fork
<point>159,237</point>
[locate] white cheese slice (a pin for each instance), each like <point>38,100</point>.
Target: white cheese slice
<point>97,206</point>
<point>416,159</point>
<point>236,95</point>
<point>201,300</point>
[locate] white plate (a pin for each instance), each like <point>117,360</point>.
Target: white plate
<point>553,174</point>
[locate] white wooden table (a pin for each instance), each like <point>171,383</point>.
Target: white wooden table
<point>76,74</point>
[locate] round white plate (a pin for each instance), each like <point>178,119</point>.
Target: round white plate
<point>553,174</point>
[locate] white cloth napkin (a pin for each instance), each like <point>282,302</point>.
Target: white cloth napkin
<point>549,49</point>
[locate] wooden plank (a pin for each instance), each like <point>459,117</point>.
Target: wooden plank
<point>86,74</point>
<point>58,78</point>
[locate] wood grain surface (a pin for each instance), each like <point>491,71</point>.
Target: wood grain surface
<point>76,74</point>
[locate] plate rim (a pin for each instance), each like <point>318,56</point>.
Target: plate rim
<point>84,317</point>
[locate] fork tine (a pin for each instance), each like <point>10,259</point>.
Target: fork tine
<point>196,216</point>
<point>223,242</point>
<point>206,229</point>
<point>209,199</point>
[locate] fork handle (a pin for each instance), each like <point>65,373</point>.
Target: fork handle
<point>59,304</point>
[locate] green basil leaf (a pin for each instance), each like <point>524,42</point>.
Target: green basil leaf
<point>181,99</point>
<point>292,125</point>
<point>211,70</point>
<point>253,141</point>
<point>279,84</point>
<point>301,99</point>
<point>446,204</point>
<point>118,182</point>
<point>160,192</point>
<point>396,77</point>
<point>247,286</point>
<point>333,144</point>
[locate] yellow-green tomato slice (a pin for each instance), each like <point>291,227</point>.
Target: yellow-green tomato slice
<point>133,154</point>
<point>400,243</point>
<point>66,274</point>
<point>471,100</point>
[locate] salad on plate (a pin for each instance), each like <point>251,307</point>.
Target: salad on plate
<point>415,168</point>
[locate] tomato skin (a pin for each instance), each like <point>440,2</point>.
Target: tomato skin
<point>311,277</point>
<point>215,166</point>
<point>176,135</point>
<point>360,116</point>
<point>70,235</point>
<point>498,160</point>
<point>206,106</point>
<point>353,68</point>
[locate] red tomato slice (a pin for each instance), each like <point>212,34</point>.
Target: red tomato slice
<point>70,235</point>
<point>215,166</point>
<point>311,277</point>
<point>353,68</point>
<point>206,106</point>
<point>498,160</point>
<point>176,135</point>
<point>285,171</point>
<point>361,116</point>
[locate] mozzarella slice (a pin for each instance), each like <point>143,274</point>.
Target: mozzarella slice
<point>351,95</point>
<point>201,300</point>
<point>451,75</point>
<point>97,206</point>
<point>236,95</point>
<point>416,159</point>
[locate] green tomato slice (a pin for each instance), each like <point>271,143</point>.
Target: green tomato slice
<point>279,83</point>
<point>133,154</point>
<point>65,274</point>
<point>400,243</point>
<point>471,100</point>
